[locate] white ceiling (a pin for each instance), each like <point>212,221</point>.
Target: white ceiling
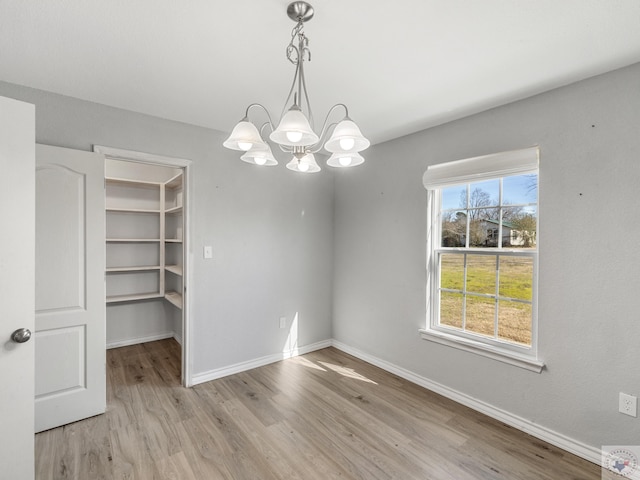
<point>400,66</point>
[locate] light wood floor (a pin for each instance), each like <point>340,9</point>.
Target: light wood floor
<point>324,415</point>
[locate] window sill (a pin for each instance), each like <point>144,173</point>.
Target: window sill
<point>479,348</point>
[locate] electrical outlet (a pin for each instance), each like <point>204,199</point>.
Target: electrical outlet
<point>207,251</point>
<point>628,405</point>
<point>283,322</point>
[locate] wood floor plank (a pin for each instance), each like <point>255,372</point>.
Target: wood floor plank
<point>130,459</point>
<point>324,415</point>
<point>313,463</point>
<point>204,448</point>
<point>175,467</point>
<point>47,446</point>
<point>120,403</point>
<point>251,393</point>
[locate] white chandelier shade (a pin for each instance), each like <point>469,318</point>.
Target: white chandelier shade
<point>295,133</point>
<point>306,164</point>
<point>346,137</point>
<point>244,137</point>
<point>260,156</point>
<point>343,160</point>
<point>294,130</point>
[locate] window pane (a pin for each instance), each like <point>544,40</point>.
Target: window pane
<point>454,229</point>
<point>483,227</point>
<point>454,197</point>
<point>484,213</point>
<point>522,228</point>
<point>514,322</point>
<point>481,274</point>
<point>520,189</point>
<point>477,233</point>
<point>451,309</point>
<point>510,214</point>
<point>516,277</point>
<point>452,271</point>
<point>484,194</point>
<point>480,315</point>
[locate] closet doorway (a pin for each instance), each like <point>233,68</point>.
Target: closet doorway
<point>147,250</point>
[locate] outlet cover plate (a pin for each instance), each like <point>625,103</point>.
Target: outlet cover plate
<point>628,405</point>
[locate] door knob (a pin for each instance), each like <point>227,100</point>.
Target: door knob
<point>21,335</point>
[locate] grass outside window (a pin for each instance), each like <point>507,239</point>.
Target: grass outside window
<point>470,301</point>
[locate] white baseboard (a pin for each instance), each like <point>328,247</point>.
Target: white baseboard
<point>255,363</point>
<point>580,449</point>
<point>133,341</point>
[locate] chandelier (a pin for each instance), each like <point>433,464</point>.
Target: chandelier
<point>295,134</point>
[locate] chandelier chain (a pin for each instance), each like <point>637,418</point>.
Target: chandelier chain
<point>303,45</point>
<point>296,55</point>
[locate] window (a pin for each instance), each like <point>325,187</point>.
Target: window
<point>482,256</point>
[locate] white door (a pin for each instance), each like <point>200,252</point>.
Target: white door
<point>17,244</point>
<point>70,380</point>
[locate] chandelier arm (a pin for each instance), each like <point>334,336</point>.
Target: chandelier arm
<point>318,146</point>
<point>285,148</point>
<point>261,129</point>
<point>300,72</point>
<point>302,87</point>
<point>302,47</point>
<point>293,86</point>
<point>246,115</point>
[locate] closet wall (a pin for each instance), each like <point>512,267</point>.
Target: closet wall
<point>144,252</point>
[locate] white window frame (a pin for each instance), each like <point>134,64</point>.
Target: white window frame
<point>437,177</point>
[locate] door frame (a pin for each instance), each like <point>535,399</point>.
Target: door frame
<point>153,159</point>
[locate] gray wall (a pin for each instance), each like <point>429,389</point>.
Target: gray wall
<point>271,229</point>
<point>589,328</point>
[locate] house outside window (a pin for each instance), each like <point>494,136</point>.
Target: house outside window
<point>482,256</point>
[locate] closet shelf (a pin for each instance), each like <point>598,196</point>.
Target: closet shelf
<point>174,182</point>
<point>173,240</point>
<point>133,269</point>
<point>132,240</point>
<point>175,269</point>
<point>130,181</point>
<point>173,210</point>
<point>132,297</point>
<point>175,298</point>
<point>131,210</point>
